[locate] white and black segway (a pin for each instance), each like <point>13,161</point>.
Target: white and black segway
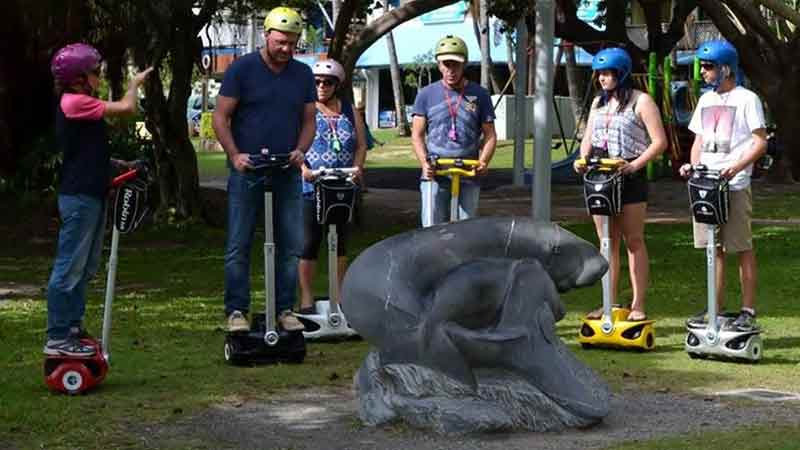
<point>708,197</point>
<point>264,342</point>
<point>334,198</point>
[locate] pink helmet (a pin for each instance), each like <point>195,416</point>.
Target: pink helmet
<point>73,61</point>
<point>329,68</point>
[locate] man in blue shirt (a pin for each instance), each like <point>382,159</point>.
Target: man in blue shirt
<point>266,102</point>
<point>452,119</point>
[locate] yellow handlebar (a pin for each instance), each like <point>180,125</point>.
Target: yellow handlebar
<point>604,164</point>
<point>462,167</point>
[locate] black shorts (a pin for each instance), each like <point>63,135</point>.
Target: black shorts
<point>313,233</point>
<point>634,188</point>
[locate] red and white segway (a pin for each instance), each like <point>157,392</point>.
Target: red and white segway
<point>76,375</point>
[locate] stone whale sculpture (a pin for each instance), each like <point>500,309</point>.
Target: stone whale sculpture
<point>463,298</point>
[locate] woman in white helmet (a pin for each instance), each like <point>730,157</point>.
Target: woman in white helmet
<point>340,141</point>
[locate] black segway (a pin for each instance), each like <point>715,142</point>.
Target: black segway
<point>264,342</point>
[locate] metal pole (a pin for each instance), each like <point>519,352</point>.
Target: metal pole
<point>111,283</point>
<point>520,116</point>
<point>542,134</point>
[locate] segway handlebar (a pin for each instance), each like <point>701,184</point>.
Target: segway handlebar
<point>338,172</point>
<point>602,164</point>
<point>453,166</point>
<point>269,161</point>
<point>701,170</point>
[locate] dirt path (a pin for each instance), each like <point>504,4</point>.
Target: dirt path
<point>315,419</point>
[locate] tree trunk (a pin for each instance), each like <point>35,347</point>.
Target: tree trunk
<point>174,155</point>
<point>575,85</point>
<point>786,114</point>
<point>397,85</point>
<point>483,40</point>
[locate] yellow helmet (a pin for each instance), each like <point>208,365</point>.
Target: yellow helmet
<point>283,19</point>
<point>453,48</point>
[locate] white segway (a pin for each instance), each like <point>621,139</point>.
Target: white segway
<point>334,196</point>
<point>717,337</point>
<point>264,342</point>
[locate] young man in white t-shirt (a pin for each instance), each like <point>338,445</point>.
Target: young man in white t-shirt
<point>730,135</point>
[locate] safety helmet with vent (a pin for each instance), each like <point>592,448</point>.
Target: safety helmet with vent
<point>283,19</point>
<point>613,59</point>
<point>451,48</point>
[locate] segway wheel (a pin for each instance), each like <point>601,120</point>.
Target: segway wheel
<point>75,378</point>
<point>231,351</point>
<point>755,351</point>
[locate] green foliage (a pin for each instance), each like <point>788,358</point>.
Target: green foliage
<point>37,168</point>
<point>510,11</point>
<point>420,70</point>
<point>126,140</point>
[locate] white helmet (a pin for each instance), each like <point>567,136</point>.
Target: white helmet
<point>329,68</point>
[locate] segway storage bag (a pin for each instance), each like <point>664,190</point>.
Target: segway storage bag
<point>602,191</point>
<point>334,198</point>
<point>709,198</point>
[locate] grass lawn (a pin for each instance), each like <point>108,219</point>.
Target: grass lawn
<point>167,339</point>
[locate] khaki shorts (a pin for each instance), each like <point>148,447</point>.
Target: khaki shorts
<point>736,235</point>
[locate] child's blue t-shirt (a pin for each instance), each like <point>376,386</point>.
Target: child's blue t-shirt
<point>270,109</point>
<point>437,104</point>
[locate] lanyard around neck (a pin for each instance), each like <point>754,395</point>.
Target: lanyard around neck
<point>450,109</point>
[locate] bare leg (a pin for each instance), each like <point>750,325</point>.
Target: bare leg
<point>747,275</point>
<point>306,269</point>
<point>633,216</point>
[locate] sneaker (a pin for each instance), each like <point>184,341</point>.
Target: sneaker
<point>238,322</point>
<point>67,347</point>
<point>289,322</point>
<point>745,322</point>
<point>698,319</point>
<point>79,332</point>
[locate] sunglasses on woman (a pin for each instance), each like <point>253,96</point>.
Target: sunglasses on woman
<point>324,82</point>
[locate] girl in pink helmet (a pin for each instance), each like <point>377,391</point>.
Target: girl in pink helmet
<point>340,141</point>
<point>84,179</point>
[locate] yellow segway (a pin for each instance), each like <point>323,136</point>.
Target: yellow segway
<point>455,168</point>
<point>603,194</point>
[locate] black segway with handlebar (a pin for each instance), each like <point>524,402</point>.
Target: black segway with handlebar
<point>264,342</point>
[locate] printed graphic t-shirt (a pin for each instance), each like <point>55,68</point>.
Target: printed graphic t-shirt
<point>726,122</point>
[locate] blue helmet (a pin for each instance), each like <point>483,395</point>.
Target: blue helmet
<point>719,52</point>
<point>613,59</point>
